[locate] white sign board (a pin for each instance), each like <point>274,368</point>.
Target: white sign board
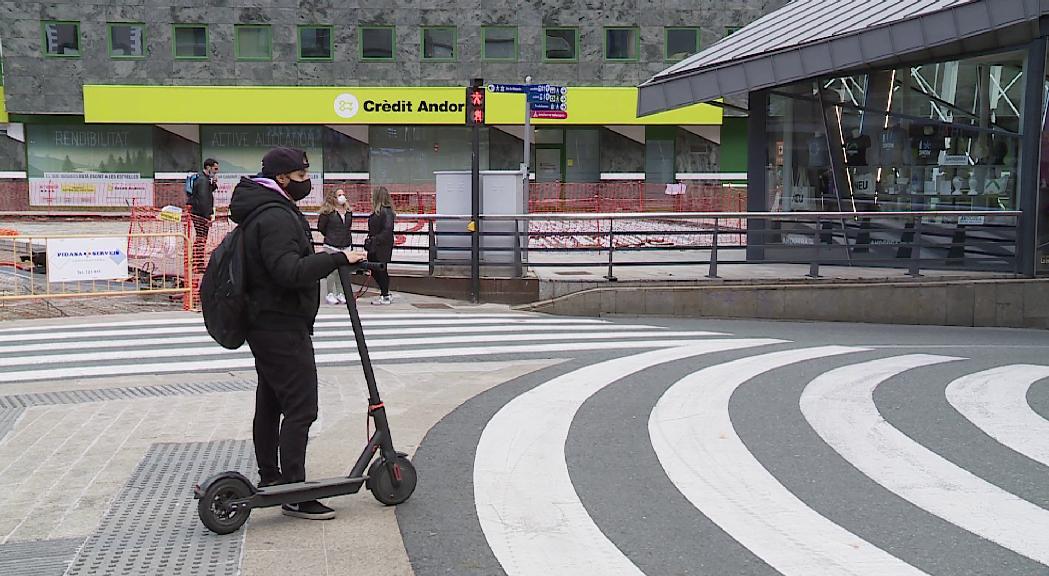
<point>90,189</point>
<point>75,259</point>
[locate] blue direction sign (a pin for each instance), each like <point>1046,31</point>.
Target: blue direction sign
<point>508,88</point>
<point>534,98</point>
<point>548,106</point>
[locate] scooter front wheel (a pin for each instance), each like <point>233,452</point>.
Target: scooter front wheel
<point>215,506</point>
<point>392,483</point>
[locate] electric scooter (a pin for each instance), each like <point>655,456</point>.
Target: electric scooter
<point>227,499</point>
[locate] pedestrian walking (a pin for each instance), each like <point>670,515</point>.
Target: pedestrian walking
<point>379,243</point>
<point>202,209</point>
<point>335,223</point>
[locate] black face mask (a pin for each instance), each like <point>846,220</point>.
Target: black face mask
<point>298,190</point>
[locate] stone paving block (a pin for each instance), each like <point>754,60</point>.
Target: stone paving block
<point>37,557</point>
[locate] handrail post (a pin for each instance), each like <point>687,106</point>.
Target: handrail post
<point>916,249</point>
<point>517,248</point>
<point>611,246</point>
<point>814,266</point>
<point>432,241</point>
<point>713,272</point>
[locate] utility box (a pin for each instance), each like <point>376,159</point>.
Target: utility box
<point>502,192</point>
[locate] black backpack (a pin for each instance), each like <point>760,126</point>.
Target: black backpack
<point>223,290</point>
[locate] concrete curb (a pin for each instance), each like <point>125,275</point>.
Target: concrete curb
<point>1006,303</point>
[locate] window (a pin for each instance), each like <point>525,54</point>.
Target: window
<point>439,43</point>
<point>377,42</point>
<point>622,44</point>
<point>254,43</point>
<point>315,43</point>
<point>499,43</point>
<point>126,40</point>
<point>190,42</point>
<point>560,44</point>
<point>681,43</point>
<point>62,39</point>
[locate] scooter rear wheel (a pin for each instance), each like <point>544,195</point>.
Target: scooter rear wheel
<point>381,480</point>
<point>214,507</point>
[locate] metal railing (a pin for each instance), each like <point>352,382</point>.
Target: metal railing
<point>913,241</point>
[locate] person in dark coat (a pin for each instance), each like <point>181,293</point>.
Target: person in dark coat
<point>379,243</point>
<point>283,277</point>
<point>202,208</point>
<point>335,223</point>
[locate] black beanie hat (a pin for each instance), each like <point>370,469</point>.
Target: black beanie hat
<point>283,161</point>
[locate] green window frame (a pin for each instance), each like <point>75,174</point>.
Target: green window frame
<point>174,41</point>
<point>45,45</point>
<point>268,36</point>
<point>422,43</point>
<point>331,42</point>
<point>484,44</point>
<point>667,56</point>
<point>637,43</point>
<point>575,35</point>
<point>142,40</point>
<point>393,43</point>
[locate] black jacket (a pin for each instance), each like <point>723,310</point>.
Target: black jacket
<point>282,270</point>
<point>380,235</point>
<point>335,229</point>
<point>202,202</point>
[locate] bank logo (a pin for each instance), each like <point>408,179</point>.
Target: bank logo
<point>346,105</point>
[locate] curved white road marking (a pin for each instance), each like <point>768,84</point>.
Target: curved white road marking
<point>529,511</point>
<point>840,407</point>
<point>710,465</point>
<point>435,340</point>
<point>177,365</point>
<point>995,401</point>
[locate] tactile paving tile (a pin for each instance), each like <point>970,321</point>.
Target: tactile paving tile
<point>152,527</point>
<point>136,392</point>
<point>8,417</point>
<point>37,557</point>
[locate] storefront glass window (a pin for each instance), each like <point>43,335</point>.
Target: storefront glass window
<point>411,154</point>
<point>582,157</point>
<point>943,136</point>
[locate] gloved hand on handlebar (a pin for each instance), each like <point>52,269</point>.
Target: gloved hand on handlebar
<point>355,256</point>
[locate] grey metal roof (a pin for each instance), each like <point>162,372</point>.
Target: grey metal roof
<point>809,38</point>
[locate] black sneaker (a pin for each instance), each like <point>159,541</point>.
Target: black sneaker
<point>312,510</point>
<point>273,482</point>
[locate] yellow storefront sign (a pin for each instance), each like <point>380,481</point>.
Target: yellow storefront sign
<point>3,107</point>
<point>352,105</point>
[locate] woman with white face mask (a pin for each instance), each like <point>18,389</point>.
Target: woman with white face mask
<point>335,224</point>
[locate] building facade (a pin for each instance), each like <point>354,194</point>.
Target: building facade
<point>143,92</point>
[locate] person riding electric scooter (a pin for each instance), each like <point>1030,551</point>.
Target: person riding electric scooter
<point>282,276</point>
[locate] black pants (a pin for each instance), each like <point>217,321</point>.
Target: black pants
<point>287,386</point>
<point>201,227</point>
<point>382,278</point>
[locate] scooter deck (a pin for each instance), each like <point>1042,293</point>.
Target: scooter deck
<point>303,491</point>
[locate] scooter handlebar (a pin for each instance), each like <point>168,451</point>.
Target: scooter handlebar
<point>366,265</point>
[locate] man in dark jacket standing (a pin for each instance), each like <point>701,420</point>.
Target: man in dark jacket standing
<point>202,208</point>
<point>283,282</point>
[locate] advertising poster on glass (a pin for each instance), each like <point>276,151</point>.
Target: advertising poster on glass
<point>239,151</point>
<point>89,166</point>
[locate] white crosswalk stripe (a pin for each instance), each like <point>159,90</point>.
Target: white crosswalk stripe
<point>174,345</point>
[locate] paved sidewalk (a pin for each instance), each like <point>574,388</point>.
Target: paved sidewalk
<point>73,450</point>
